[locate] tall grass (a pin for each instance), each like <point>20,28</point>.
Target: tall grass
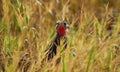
<point>27,27</point>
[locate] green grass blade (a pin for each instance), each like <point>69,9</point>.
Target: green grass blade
<point>89,59</point>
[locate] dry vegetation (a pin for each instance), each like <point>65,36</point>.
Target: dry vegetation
<point>27,26</point>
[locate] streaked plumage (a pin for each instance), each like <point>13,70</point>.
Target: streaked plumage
<point>51,49</point>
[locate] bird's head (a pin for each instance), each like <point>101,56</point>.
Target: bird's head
<point>61,27</point>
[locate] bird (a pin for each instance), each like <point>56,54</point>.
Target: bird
<point>61,29</point>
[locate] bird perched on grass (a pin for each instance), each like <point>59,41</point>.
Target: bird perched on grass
<point>51,50</point>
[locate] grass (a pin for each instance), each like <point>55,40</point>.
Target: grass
<point>27,27</point>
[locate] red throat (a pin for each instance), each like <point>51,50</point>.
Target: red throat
<point>61,30</point>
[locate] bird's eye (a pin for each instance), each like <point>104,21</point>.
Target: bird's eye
<point>65,24</point>
<point>57,23</point>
